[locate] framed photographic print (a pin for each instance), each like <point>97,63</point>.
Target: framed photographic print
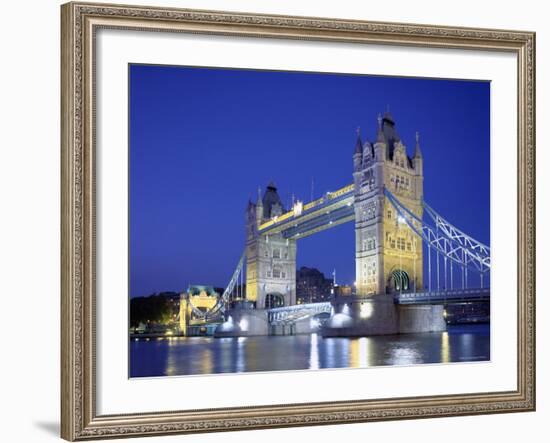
<point>294,221</point>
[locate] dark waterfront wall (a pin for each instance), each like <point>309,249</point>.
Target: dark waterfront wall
<point>463,313</point>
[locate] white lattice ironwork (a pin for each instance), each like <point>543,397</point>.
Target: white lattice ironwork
<point>445,238</point>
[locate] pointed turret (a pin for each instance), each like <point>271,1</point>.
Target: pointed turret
<point>391,137</point>
<point>251,219</point>
<point>417,152</point>
<point>388,116</point>
<point>259,207</point>
<point>250,204</point>
<point>380,134</point>
<point>381,144</point>
<point>368,153</point>
<point>272,204</point>
<point>358,143</point>
<point>259,200</point>
<point>417,157</point>
<point>358,152</point>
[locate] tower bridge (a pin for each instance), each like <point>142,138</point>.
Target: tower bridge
<point>396,234</point>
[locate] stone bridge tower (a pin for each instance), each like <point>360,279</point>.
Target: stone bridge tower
<point>388,254</point>
<point>270,259</point>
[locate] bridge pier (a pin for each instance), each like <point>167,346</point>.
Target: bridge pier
<point>362,316</point>
<point>249,322</point>
<point>244,323</point>
<point>421,318</point>
<point>300,327</point>
<point>307,326</point>
<point>379,315</point>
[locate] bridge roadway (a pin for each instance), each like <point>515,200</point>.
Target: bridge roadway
<point>289,314</point>
<point>439,297</point>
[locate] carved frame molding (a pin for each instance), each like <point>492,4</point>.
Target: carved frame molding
<point>80,21</point>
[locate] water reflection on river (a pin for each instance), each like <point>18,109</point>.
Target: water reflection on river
<point>206,355</point>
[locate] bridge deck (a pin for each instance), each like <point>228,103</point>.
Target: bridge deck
<point>331,210</point>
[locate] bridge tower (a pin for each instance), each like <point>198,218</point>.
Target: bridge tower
<point>270,259</point>
<point>388,255</point>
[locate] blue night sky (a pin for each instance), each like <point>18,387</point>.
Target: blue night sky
<point>202,141</point>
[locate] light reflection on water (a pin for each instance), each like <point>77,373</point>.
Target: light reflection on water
<point>314,352</point>
<point>445,353</point>
<point>206,355</point>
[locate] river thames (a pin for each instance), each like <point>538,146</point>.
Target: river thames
<point>207,355</point>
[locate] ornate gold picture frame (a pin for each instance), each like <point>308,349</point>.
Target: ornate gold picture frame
<point>80,22</point>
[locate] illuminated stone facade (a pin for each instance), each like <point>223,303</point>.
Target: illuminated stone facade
<point>388,255</point>
<point>270,259</point>
<point>203,298</point>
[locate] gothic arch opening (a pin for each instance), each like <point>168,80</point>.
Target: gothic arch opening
<point>398,281</point>
<point>274,300</point>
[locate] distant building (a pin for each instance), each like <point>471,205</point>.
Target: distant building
<point>312,286</point>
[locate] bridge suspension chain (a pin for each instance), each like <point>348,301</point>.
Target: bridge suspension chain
<point>219,307</point>
<point>482,252</point>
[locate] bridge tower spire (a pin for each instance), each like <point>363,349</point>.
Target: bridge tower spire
<point>388,254</point>
<point>417,157</point>
<point>358,152</point>
<point>259,207</point>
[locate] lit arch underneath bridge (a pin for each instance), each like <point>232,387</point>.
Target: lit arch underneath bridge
<point>400,280</point>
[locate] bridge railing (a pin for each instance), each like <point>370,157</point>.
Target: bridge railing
<point>297,312</point>
<point>321,306</point>
<point>473,294</point>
